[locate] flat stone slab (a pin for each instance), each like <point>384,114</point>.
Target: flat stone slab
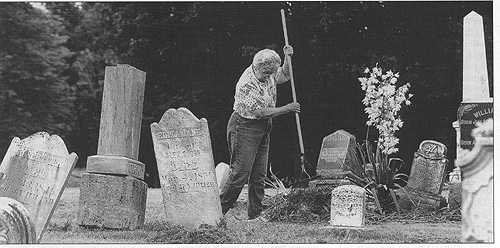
<point>115,165</point>
<point>116,202</point>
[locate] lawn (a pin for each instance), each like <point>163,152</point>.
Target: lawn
<point>63,229</point>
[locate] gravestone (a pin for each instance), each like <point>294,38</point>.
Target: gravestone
<point>186,169</point>
<point>16,225</point>
<point>222,173</point>
<point>477,186</point>
<point>348,206</point>
<point>428,168</point>
<point>477,105</point>
<point>113,193</point>
<point>337,151</point>
<point>33,172</point>
<point>427,173</point>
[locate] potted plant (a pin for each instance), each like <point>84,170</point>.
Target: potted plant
<point>374,169</point>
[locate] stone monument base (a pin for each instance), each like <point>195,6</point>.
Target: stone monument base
<point>328,182</point>
<point>118,165</point>
<point>108,201</point>
<point>422,199</point>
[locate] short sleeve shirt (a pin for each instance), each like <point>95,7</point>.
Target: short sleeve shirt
<point>252,94</point>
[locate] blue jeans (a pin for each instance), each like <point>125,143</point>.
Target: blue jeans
<point>248,142</point>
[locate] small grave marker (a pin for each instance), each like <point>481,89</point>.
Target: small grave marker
<point>222,173</point>
<point>428,168</point>
<point>336,150</point>
<point>34,171</point>
<point>348,206</point>
<point>186,169</point>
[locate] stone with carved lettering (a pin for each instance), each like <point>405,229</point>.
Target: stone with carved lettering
<point>348,206</point>
<point>337,149</point>
<point>33,172</point>
<point>186,169</point>
<point>117,202</point>
<point>16,225</point>
<point>428,169</point>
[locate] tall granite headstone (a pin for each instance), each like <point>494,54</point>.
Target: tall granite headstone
<point>337,151</point>
<point>477,105</point>
<point>348,206</point>
<point>34,172</point>
<point>186,169</point>
<point>113,193</point>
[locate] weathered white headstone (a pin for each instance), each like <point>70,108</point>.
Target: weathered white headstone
<point>186,169</point>
<point>222,173</point>
<point>114,174</point>
<point>477,186</point>
<point>336,150</point>
<point>348,206</point>
<point>34,171</point>
<point>16,225</point>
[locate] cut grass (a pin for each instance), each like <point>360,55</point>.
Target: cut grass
<point>63,229</point>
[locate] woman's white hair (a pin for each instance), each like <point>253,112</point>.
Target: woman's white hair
<point>266,60</point>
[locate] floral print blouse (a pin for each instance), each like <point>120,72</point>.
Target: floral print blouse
<point>252,94</point>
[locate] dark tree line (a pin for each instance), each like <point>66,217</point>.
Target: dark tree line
<point>52,67</point>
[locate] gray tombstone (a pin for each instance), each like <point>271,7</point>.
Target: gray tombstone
<point>186,169</point>
<point>476,105</point>
<point>34,172</point>
<point>427,173</point>
<point>113,193</point>
<point>337,151</point>
<point>348,206</point>
<point>16,225</point>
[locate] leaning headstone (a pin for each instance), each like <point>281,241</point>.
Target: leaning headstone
<point>336,153</point>
<point>113,193</point>
<point>477,186</point>
<point>186,169</point>
<point>427,173</point>
<point>16,225</point>
<point>348,206</point>
<point>222,173</point>
<point>34,172</point>
<point>477,105</point>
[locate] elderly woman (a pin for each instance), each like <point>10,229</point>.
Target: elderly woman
<point>249,127</point>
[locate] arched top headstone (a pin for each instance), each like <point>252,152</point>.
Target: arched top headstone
<point>186,169</point>
<point>178,119</point>
<point>33,172</point>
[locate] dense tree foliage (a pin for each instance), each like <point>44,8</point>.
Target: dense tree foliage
<point>34,94</point>
<point>194,52</point>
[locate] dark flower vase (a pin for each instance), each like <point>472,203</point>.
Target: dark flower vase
<point>386,201</point>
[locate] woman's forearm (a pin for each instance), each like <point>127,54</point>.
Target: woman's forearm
<point>270,112</point>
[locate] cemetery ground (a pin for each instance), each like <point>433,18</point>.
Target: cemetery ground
<point>412,227</point>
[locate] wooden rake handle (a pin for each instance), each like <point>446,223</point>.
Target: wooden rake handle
<point>297,119</point>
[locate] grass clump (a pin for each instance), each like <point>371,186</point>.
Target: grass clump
<point>300,206</point>
<point>205,234</point>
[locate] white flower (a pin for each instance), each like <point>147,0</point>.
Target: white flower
<point>383,102</point>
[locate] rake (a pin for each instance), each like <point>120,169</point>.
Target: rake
<point>303,160</point>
